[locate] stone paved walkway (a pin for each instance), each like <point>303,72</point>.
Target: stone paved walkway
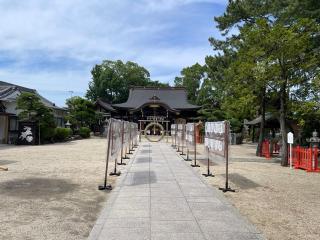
<point>160,197</point>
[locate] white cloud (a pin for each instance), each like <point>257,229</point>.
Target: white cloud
<point>87,32</point>
<point>160,5</point>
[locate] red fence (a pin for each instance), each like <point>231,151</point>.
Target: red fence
<point>302,158</point>
<point>305,158</point>
<point>266,149</point>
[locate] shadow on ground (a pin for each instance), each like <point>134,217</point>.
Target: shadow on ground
<point>36,187</point>
<point>242,182</point>
<point>143,160</point>
<point>6,162</point>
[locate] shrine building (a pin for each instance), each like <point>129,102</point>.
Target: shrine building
<point>145,105</point>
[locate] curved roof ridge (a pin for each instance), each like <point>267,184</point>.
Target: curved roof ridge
<point>174,97</point>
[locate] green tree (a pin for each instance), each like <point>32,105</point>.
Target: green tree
<point>81,112</point>
<point>34,110</point>
<point>275,34</point>
<point>292,64</point>
<point>191,78</point>
<point>111,80</point>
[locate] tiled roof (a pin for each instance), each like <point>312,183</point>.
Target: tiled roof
<point>172,97</point>
<point>6,89</point>
<point>105,105</point>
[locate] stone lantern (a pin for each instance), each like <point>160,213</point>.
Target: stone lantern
<point>68,124</point>
<point>314,140</point>
<point>314,143</point>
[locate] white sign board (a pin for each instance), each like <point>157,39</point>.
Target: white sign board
<point>215,137</point>
<point>290,137</point>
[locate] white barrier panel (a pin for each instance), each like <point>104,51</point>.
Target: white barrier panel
<point>180,135</point>
<point>189,136</point>
<point>126,133</point>
<point>217,142</point>
<point>216,137</point>
<point>115,138</point>
<point>173,134</point>
<point>121,136</point>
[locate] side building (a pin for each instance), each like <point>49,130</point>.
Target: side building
<point>9,112</point>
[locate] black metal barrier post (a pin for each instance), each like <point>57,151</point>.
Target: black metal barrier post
<point>208,174</point>
<point>122,143</point>
<point>195,147</point>
<point>226,149</point>
<point>106,186</point>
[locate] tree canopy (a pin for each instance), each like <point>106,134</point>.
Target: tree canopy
<point>191,78</point>
<point>81,112</point>
<point>111,80</point>
<point>268,60</point>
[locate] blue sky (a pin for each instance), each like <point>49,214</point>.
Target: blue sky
<point>52,45</point>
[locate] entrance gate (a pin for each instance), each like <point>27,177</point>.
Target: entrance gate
<point>154,131</point>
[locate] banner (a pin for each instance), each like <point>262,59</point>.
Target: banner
<point>180,135</point>
<point>115,137</point>
<point>216,137</point>
<point>173,133</point>
<point>190,135</point>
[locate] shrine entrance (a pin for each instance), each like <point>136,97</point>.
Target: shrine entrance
<point>154,132</point>
<point>156,128</point>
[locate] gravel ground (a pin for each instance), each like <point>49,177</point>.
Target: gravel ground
<point>50,191</point>
<point>282,203</point>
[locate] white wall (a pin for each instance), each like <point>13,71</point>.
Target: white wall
<point>11,107</point>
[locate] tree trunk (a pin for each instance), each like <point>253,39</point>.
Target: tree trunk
<point>283,128</point>
<point>263,116</point>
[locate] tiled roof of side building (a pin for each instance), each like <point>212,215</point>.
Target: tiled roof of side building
<point>105,105</point>
<point>8,88</point>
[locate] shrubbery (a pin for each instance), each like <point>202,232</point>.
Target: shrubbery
<point>61,134</point>
<point>84,132</point>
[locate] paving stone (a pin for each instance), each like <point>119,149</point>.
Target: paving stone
<point>160,197</point>
<point>177,236</point>
<point>203,199</point>
<point>130,206</point>
<point>122,213</point>
<point>155,192</point>
<point>232,236</point>
<point>124,234</point>
<point>175,226</point>
<point>160,214</point>
<point>206,206</point>
<point>128,223</point>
